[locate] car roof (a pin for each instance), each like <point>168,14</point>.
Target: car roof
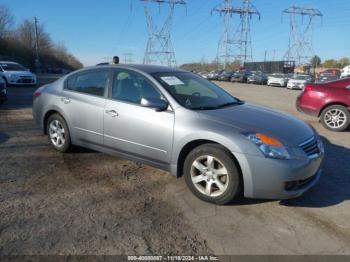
<point>144,68</point>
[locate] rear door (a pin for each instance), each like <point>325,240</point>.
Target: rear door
<point>83,101</point>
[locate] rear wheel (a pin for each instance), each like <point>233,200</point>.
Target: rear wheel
<point>335,118</point>
<point>58,133</point>
<point>211,174</point>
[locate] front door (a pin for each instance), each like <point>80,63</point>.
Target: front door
<point>131,128</point>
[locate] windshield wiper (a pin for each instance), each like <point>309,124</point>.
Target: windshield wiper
<point>230,104</point>
<point>218,106</point>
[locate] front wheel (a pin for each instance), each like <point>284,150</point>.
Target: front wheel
<point>335,118</point>
<point>58,133</point>
<point>211,174</point>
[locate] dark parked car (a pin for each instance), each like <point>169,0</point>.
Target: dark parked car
<point>214,75</point>
<point>3,93</point>
<point>329,101</point>
<point>240,76</point>
<point>257,78</point>
<point>225,76</point>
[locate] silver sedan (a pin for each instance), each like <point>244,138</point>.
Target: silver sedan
<point>182,123</point>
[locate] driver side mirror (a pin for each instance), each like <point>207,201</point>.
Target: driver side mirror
<point>155,103</point>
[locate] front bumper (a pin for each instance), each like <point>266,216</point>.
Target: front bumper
<point>22,81</point>
<point>275,83</point>
<point>268,178</point>
<point>296,86</point>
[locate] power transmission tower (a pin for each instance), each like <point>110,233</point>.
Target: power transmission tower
<point>128,58</point>
<point>235,45</point>
<point>159,48</point>
<point>300,47</point>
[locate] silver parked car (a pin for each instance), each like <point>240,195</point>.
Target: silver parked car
<point>178,121</point>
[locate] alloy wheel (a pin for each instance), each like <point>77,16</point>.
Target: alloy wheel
<point>335,118</point>
<point>209,176</point>
<point>57,133</point>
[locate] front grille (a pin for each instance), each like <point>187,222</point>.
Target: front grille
<point>310,147</point>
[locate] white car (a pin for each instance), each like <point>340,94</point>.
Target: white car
<point>16,74</point>
<point>299,81</point>
<point>345,72</point>
<point>277,79</point>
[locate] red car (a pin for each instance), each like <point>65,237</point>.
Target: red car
<point>329,101</point>
<point>335,72</point>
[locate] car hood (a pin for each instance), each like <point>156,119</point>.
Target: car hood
<point>253,118</point>
<point>19,73</point>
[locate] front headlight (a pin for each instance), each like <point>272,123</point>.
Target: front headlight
<point>269,146</point>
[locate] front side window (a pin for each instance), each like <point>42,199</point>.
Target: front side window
<point>194,92</point>
<point>91,82</point>
<point>131,87</point>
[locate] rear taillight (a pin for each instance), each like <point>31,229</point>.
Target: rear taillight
<point>307,88</point>
<point>37,93</point>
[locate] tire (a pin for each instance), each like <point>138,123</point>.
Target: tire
<point>335,118</point>
<point>229,179</point>
<point>5,81</point>
<point>62,141</point>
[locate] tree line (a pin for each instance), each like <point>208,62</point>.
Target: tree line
<point>18,43</point>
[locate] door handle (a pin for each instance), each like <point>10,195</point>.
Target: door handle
<point>112,113</point>
<point>65,100</point>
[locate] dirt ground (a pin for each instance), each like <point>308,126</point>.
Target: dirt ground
<point>83,202</point>
<point>86,202</point>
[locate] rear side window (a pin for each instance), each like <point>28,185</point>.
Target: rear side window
<point>91,82</point>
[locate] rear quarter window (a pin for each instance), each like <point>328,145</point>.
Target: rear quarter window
<point>91,82</point>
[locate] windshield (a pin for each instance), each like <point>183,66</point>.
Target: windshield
<point>12,67</point>
<point>194,92</point>
<point>300,77</point>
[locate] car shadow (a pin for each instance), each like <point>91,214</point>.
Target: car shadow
<point>334,185</point>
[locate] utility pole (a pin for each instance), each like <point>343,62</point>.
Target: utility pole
<point>235,45</point>
<point>300,47</point>
<point>159,48</point>
<point>37,61</point>
<point>128,58</point>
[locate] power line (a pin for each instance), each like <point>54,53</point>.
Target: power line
<point>159,48</point>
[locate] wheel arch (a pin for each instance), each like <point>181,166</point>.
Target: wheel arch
<point>49,113</point>
<point>186,149</point>
<point>332,104</point>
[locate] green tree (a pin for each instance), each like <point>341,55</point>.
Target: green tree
<point>330,63</point>
<point>343,62</point>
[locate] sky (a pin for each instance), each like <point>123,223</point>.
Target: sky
<point>93,30</point>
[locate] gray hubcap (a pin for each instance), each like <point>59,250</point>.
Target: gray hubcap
<point>57,133</point>
<point>335,118</point>
<point>209,176</point>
